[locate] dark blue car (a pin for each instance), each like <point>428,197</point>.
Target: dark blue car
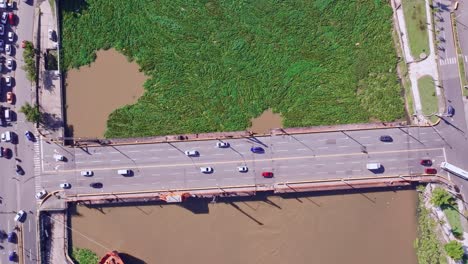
<point>257,150</point>
<point>29,135</point>
<point>13,256</point>
<point>11,237</point>
<point>450,111</point>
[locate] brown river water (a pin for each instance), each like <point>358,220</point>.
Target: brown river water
<point>94,92</point>
<point>377,227</point>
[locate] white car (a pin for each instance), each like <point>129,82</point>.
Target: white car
<point>206,169</point>
<point>11,36</point>
<point>58,157</point>
<point>222,144</point>
<point>65,185</point>
<point>2,29</point>
<point>8,81</point>
<point>8,49</point>
<point>41,194</point>
<point>51,34</point>
<point>19,217</point>
<point>87,173</point>
<point>9,64</point>
<point>3,19</point>
<point>242,169</point>
<point>192,153</point>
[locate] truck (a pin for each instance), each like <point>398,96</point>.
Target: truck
<point>373,166</point>
<point>454,169</point>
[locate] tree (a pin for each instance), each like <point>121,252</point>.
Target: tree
<point>455,250</point>
<point>31,112</point>
<point>84,256</point>
<point>441,198</point>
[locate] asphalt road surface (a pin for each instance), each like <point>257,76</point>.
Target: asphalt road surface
<point>17,193</point>
<point>290,158</point>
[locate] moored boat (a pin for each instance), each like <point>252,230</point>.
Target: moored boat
<point>111,258</point>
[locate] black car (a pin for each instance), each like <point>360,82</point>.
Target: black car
<point>12,256</point>
<point>19,170</point>
<point>96,185</point>
<point>29,135</point>
<point>386,138</point>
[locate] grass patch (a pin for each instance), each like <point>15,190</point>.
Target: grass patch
<point>428,248</point>
<point>461,64</point>
<point>402,68</point>
<point>427,92</point>
<point>416,25</point>
<point>214,65</point>
<point>453,218</point>
<point>84,256</point>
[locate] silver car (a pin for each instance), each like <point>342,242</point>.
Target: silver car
<point>87,173</point>
<point>41,194</point>
<point>8,49</point>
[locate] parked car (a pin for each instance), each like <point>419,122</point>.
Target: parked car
<point>11,237</point>
<point>450,111</point>
<point>426,162</point>
<point>19,170</point>
<point>8,81</point>
<point>11,36</point>
<point>13,257</point>
<point>192,153</point>
<point>4,17</point>
<point>8,49</point>
<point>430,171</point>
<point>11,18</point>
<point>267,174</point>
<point>87,173</point>
<point>1,45</point>
<point>242,169</point>
<point>10,3</point>
<point>65,185</point>
<point>29,135</point>
<point>6,152</point>
<point>41,194</point>
<point>51,34</point>
<point>9,64</point>
<point>20,216</point>
<point>386,138</point>
<point>206,169</point>
<point>2,3</point>
<point>2,29</point>
<point>96,185</point>
<point>257,150</point>
<point>1,152</point>
<point>10,97</point>
<point>222,144</point>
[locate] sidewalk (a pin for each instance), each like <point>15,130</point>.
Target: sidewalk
<point>419,68</point>
<point>50,90</point>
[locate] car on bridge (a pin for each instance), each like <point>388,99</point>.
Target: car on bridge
<point>96,185</point>
<point>87,173</point>
<point>426,162</point>
<point>192,153</point>
<point>386,138</point>
<point>430,171</point>
<point>206,169</point>
<point>267,174</point>
<point>258,150</point>
<point>222,144</point>
<point>65,185</point>
<point>242,169</point>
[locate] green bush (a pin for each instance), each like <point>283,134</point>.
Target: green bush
<point>32,113</point>
<point>214,65</point>
<point>29,57</point>
<point>84,256</point>
<point>441,198</point>
<point>455,250</point>
<point>428,248</point>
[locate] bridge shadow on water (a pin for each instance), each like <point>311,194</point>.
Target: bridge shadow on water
<point>129,259</point>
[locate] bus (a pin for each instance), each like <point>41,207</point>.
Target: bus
<point>454,169</point>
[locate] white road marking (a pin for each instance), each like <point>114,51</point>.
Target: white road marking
<point>114,152</point>
<point>321,172</point>
<point>79,162</point>
<point>282,150</point>
<point>156,150</point>
<point>282,142</point>
<point>322,147</point>
<point>356,170</point>
<point>355,162</point>
<point>364,137</point>
<point>302,149</point>
<point>96,161</point>
<point>173,157</point>
<point>343,146</point>
<point>340,171</point>
<point>219,154</point>
<point>155,174</point>
<point>339,163</point>
<point>133,151</point>
<point>448,61</point>
<point>115,160</point>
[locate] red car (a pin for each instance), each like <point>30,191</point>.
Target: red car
<point>430,171</point>
<point>11,18</point>
<point>267,174</point>
<point>426,162</point>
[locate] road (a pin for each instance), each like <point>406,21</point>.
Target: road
<point>18,193</point>
<point>290,158</point>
